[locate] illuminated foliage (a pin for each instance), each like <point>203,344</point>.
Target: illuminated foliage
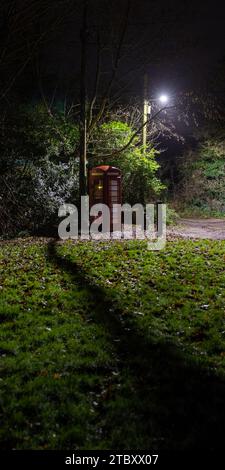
<point>139,167</point>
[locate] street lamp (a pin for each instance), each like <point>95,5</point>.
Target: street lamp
<point>163,99</point>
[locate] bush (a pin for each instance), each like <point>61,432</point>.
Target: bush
<point>139,169</point>
<point>203,183</point>
<point>38,168</point>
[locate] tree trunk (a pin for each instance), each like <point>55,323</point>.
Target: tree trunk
<point>83,98</point>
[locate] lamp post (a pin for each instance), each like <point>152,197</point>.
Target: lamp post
<point>145,112</point>
<point>163,99</point>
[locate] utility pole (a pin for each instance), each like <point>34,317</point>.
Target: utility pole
<point>145,112</point>
<point>83,98</point>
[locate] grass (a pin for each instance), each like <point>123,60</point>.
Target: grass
<point>108,345</point>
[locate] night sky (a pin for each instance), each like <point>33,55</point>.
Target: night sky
<point>180,44</point>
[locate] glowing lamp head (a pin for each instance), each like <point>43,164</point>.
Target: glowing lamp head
<point>163,99</point>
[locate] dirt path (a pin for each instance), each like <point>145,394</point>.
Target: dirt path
<point>213,229</point>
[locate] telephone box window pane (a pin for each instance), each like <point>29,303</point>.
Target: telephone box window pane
<point>98,190</point>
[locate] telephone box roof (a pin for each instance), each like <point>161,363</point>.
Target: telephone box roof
<point>105,168</point>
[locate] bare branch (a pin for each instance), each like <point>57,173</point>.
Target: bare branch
<point>115,67</point>
<point>135,134</point>
<point>97,77</point>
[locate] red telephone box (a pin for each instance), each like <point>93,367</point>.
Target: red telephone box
<point>105,188</point>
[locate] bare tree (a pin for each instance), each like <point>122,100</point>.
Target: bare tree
<point>26,26</point>
<point>115,48</point>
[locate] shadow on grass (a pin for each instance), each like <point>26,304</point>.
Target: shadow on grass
<point>157,398</point>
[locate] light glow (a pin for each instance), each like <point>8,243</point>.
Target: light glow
<point>163,99</point>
